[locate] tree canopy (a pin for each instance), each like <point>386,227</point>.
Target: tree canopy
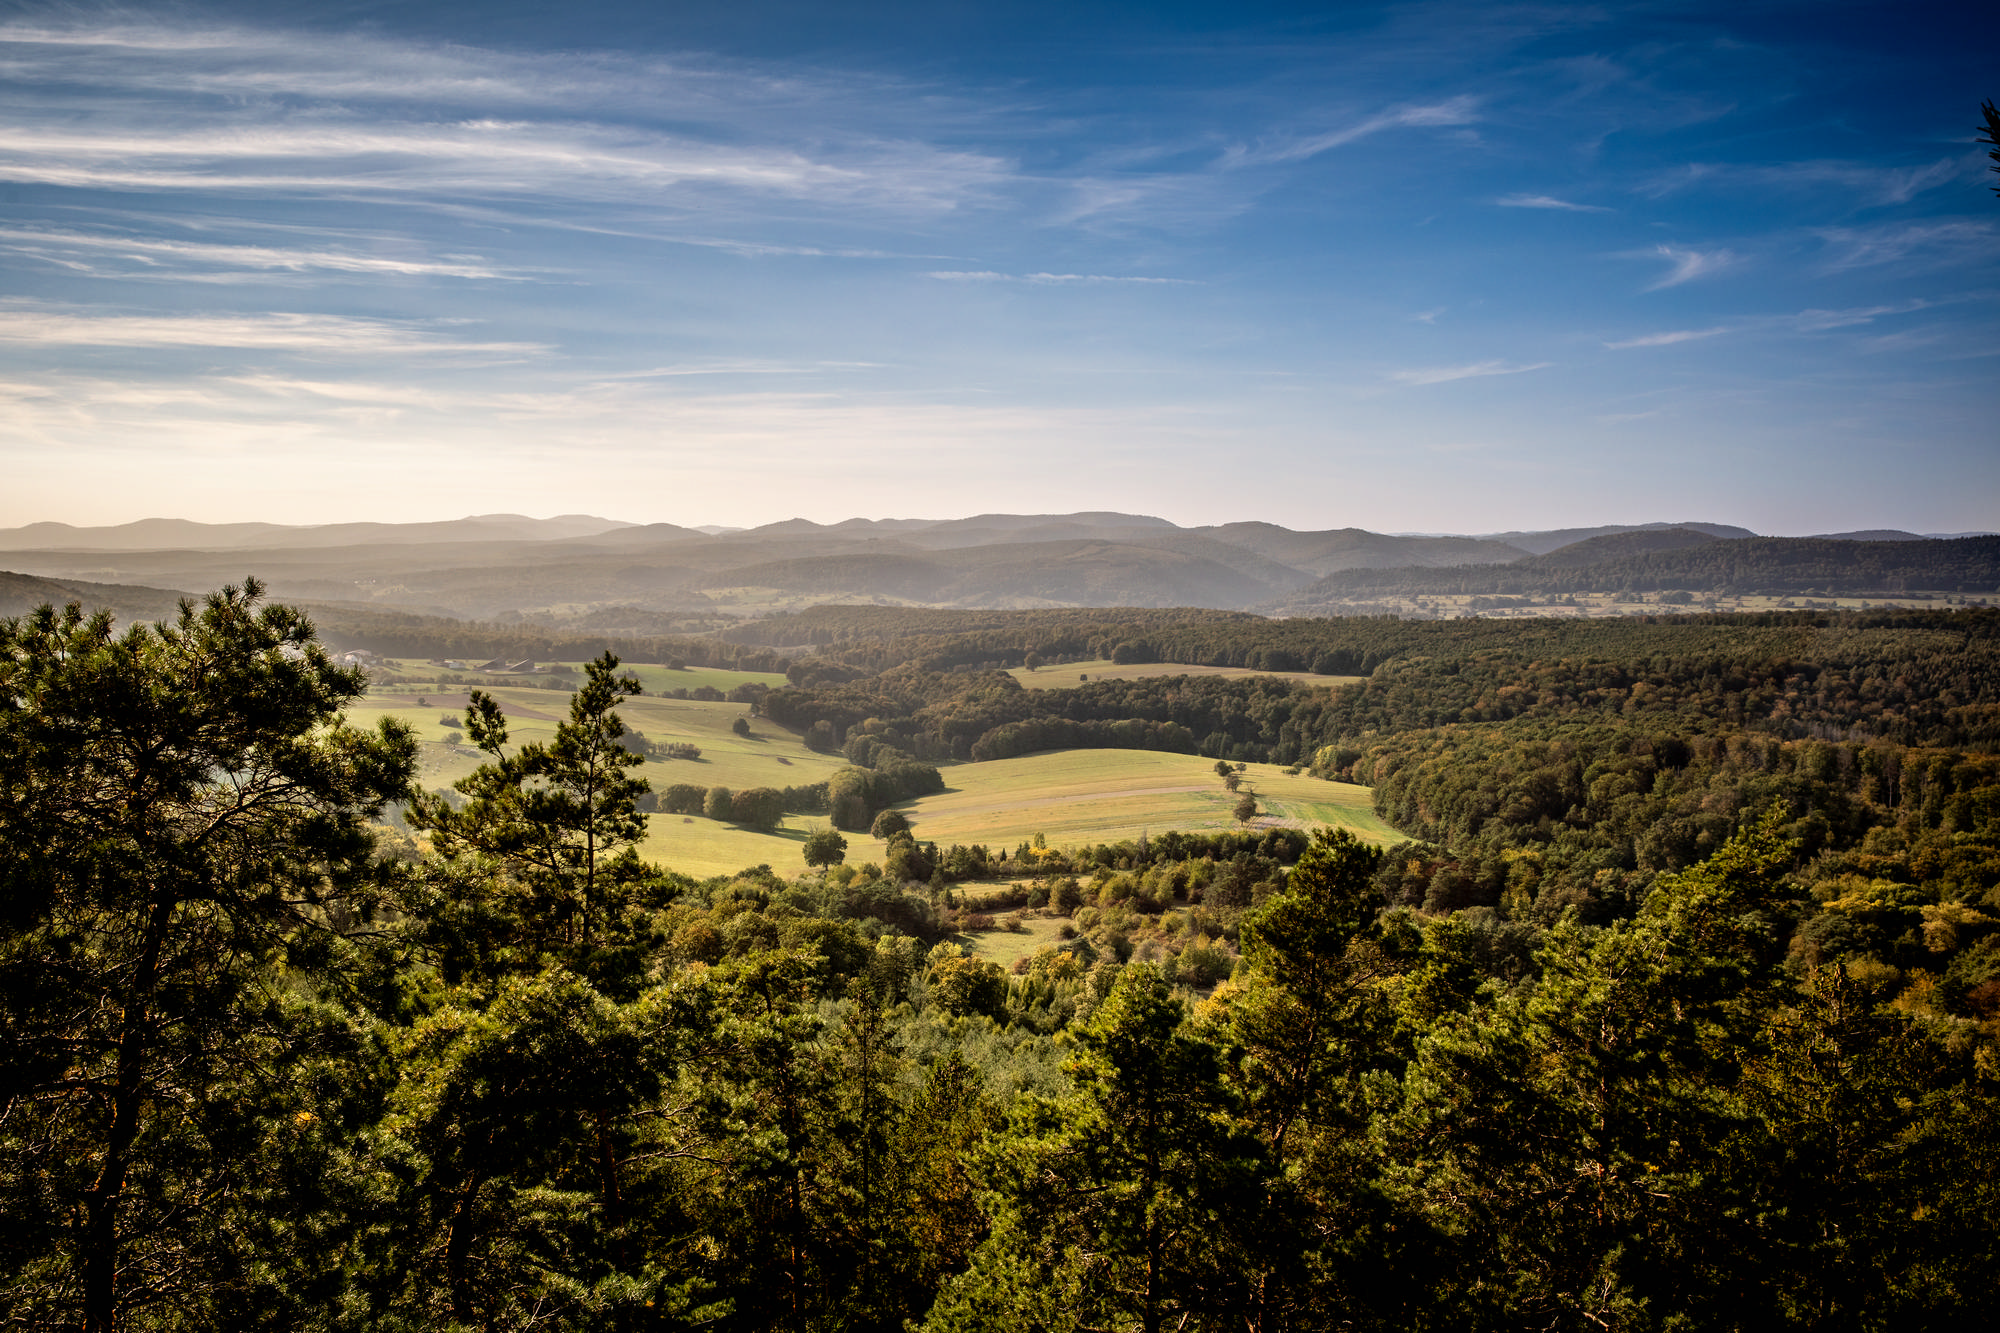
<point>1677,1014</point>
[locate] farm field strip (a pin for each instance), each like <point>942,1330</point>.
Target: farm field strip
<point>1089,796</point>
<point>1006,946</point>
<point>1071,797</point>
<point>769,757</point>
<point>702,847</point>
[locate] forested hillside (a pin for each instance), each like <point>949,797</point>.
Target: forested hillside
<point>619,577</point>
<point>1767,565</point>
<point>1683,1010</point>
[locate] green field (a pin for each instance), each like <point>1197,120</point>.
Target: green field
<point>1072,797</point>
<point>769,757</point>
<point>1070,674</point>
<point>1005,946</point>
<point>1075,797</point>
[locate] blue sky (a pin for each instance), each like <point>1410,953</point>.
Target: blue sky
<point>1413,267</point>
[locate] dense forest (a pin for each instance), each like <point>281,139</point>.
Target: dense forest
<point>407,634</point>
<point>1777,565</point>
<point>1681,1011</point>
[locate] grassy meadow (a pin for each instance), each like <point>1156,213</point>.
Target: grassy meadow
<point>1071,797</point>
<point>1071,674</point>
<point>1006,947</point>
<point>769,757</point>
<point>1074,797</point>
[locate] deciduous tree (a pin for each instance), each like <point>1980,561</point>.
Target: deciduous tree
<point>825,847</point>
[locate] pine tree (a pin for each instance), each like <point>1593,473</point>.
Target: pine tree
<point>184,855</point>
<point>1130,1204</point>
<point>554,815</point>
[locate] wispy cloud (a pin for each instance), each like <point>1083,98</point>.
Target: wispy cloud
<point>1666,339</point>
<point>48,327</point>
<point>240,110</point>
<point>155,254</point>
<point>1687,265</point>
<point>1942,242</point>
<point>1462,110</point>
<point>1805,321</point>
<point>720,367</point>
<point>1445,374</point>
<point>419,159</point>
<point>1856,183</point>
<point>1549,201</point>
<point>1814,321</point>
<point>1049,279</point>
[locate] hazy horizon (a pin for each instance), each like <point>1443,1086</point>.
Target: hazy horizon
<point>725,528</point>
<point>1439,268</point>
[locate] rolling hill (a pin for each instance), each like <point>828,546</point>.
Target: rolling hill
<point>576,568</point>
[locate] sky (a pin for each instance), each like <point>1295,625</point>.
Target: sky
<point>1433,267</point>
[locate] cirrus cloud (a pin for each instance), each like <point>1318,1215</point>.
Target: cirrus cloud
<point>1687,265</point>
<point>1445,374</point>
<point>43,326</point>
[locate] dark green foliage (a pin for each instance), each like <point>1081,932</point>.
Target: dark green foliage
<point>825,847</point>
<point>1904,677</point>
<point>684,798</point>
<point>408,634</point>
<point>184,865</point>
<point>1129,1204</point>
<point>855,795</point>
<point>761,808</point>
<point>1686,1014</point>
<point>1748,565</point>
<point>555,815</point>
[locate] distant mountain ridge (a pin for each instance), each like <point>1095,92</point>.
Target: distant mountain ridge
<point>1541,543</point>
<point>508,566</point>
<point>1685,561</point>
<point>180,534</point>
<point>22,593</point>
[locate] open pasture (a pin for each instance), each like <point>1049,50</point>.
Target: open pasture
<point>1071,674</point>
<point>659,679</point>
<point>1076,797</point>
<point>769,757</point>
<point>1005,947</point>
<point>702,847</point>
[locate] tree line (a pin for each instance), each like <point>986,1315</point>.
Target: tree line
<point>264,1065</point>
<point>409,634</point>
<point>1747,565</point>
<point>1912,680</point>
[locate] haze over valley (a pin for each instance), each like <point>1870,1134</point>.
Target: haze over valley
<point>597,574</point>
